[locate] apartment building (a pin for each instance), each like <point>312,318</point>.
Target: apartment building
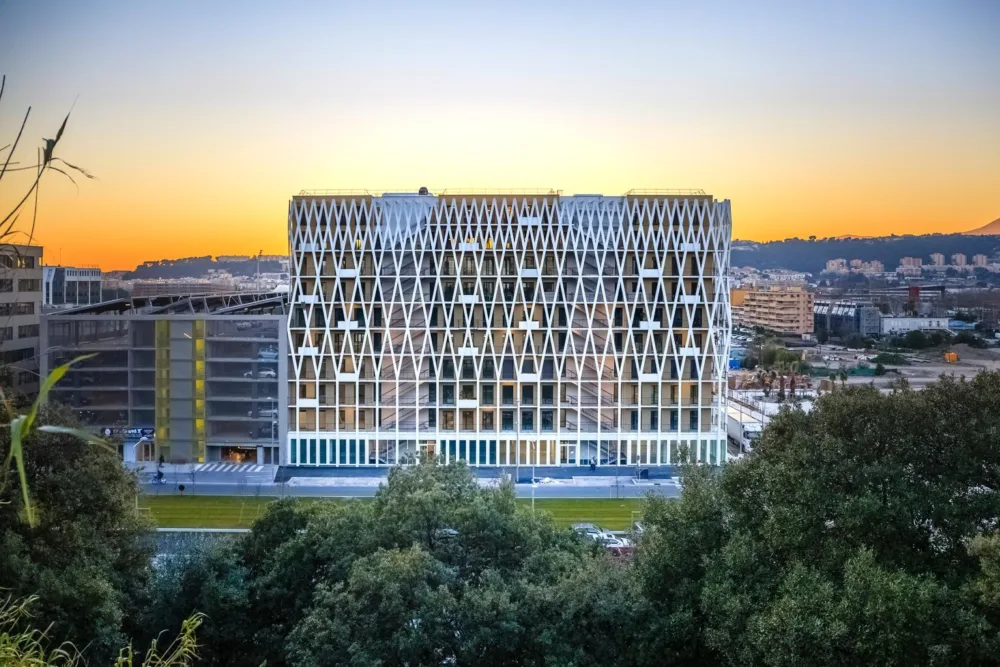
<point>70,286</point>
<point>781,308</point>
<point>20,309</point>
<point>508,328</point>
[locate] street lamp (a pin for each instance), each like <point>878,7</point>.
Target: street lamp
<point>135,455</point>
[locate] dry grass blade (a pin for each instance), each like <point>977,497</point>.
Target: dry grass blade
<point>17,140</point>
<point>183,650</point>
<point>50,144</point>
<point>54,168</point>
<point>26,647</point>
<point>76,168</point>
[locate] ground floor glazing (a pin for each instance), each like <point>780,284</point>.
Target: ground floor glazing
<point>327,449</point>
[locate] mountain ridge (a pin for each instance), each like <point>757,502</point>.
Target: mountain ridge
<point>989,229</point>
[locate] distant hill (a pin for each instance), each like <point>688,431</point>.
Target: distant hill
<point>811,255</point>
<point>196,267</point>
<point>986,230</point>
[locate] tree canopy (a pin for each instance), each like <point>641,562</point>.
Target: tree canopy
<point>853,535</point>
<point>862,532</point>
<point>87,559</point>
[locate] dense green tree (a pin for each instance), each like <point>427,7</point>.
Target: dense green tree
<point>916,340</point>
<point>87,558</point>
<point>863,532</point>
<point>851,536</point>
<point>434,568</point>
<point>212,581</point>
<point>396,607</point>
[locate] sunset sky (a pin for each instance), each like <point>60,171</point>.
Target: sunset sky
<point>201,119</point>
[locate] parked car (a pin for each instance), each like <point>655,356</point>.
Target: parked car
<point>587,530</point>
<point>267,373</point>
<point>242,326</point>
<point>592,532</point>
<point>612,542</point>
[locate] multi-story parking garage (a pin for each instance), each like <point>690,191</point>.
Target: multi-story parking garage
<point>192,378</point>
<point>508,329</point>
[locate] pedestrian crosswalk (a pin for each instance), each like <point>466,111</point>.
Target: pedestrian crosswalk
<point>228,467</point>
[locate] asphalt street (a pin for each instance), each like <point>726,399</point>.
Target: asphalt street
<point>670,489</point>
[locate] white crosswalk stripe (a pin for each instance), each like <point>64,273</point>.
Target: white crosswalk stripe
<point>229,467</point>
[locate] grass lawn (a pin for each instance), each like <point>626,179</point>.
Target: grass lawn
<point>240,512</point>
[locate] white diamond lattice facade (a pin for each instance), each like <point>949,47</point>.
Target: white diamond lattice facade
<point>508,329</point>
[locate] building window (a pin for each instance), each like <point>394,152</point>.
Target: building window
<point>6,285</point>
<point>13,356</point>
<point>527,420</point>
<point>488,395</point>
<point>17,261</point>
<point>6,333</point>
<point>487,421</point>
<point>26,331</point>
<point>547,422</point>
<point>8,309</point>
<point>29,285</point>
<point>507,420</point>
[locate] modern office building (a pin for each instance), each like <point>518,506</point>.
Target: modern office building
<point>843,318</point>
<point>70,286</point>
<point>508,328</point>
<point>781,308</point>
<point>20,309</point>
<point>191,378</point>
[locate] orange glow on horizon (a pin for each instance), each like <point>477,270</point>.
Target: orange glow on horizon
<point>201,124</point>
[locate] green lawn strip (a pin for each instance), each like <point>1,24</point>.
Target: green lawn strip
<point>611,514</point>
<point>204,511</point>
<point>241,511</point>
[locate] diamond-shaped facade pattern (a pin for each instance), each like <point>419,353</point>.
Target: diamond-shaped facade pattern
<point>511,329</point>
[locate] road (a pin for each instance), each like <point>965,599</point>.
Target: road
<point>670,489</point>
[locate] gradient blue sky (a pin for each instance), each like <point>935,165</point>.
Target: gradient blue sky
<point>201,119</point>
